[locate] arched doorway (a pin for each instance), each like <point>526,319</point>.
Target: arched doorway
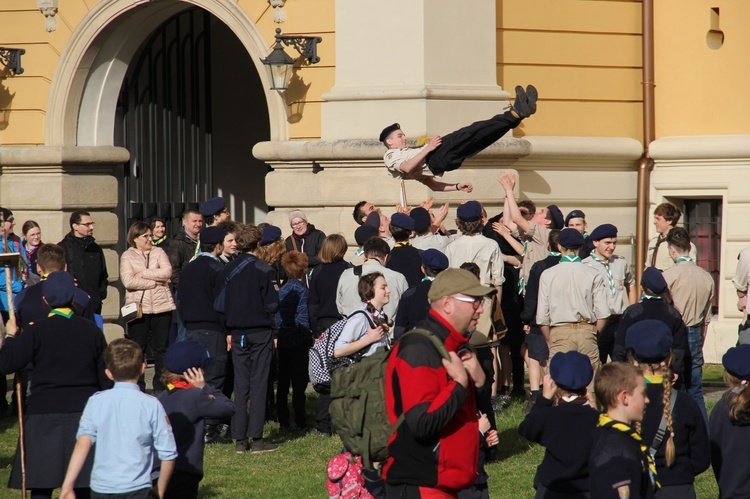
<point>190,108</point>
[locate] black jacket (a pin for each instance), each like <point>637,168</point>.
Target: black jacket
<point>252,299</point>
<point>308,244</point>
<point>180,250</point>
<point>528,316</point>
<point>196,304</point>
<point>31,308</point>
<point>408,261</point>
<point>322,300</point>
<point>730,451</point>
<point>617,462</point>
<point>413,308</point>
<point>85,261</point>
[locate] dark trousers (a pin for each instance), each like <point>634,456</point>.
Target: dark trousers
<point>182,486</point>
<point>152,330</point>
<point>216,343</point>
<point>606,340</point>
<point>136,494</point>
<point>322,416</point>
<point>484,395</point>
<point>469,140</point>
<point>47,493</point>
<point>251,354</point>
<point>292,371</point>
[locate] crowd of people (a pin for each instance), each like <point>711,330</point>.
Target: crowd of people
<point>228,312</point>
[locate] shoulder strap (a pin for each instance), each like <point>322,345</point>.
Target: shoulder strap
<point>358,270</point>
<point>361,311</point>
<point>437,342</point>
<point>238,269</point>
<point>662,431</point>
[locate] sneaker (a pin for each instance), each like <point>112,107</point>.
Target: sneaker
<point>262,446</point>
<point>529,405</point>
<point>525,104</point>
<point>240,447</point>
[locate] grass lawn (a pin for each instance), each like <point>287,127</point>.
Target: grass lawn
<point>297,469</point>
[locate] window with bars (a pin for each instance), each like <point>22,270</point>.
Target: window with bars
<point>703,223</point>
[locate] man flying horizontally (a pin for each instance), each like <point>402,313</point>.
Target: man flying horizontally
<point>442,154</point>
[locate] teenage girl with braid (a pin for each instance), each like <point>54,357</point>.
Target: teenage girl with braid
<point>365,333</point>
<point>673,425</point>
<point>730,427</point>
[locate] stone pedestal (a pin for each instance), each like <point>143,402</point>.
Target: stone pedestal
<point>47,184</point>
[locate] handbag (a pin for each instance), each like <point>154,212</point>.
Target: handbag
<point>132,311</point>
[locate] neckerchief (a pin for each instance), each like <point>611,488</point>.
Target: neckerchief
<point>157,242</point>
<point>683,259</point>
<point>427,278</point>
<point>570,259</point>
<point>554,253</point>
<point>660,239</point>
<point>62,312</point>
<point>179,384</point>
<point>359,252</point>
<point>605,264</point>
<point>402,244</point>
<point>656,379</point>
<point>607,422</point>
<point>644,296</point>
<point>210,255</point>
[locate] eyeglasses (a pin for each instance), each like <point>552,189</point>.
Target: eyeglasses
<point>147,235</point>
<point>299,224</point>
<point>88,224</point>
<point>475,302</point>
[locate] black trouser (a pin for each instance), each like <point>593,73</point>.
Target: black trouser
<point>153,330</point>
<point>606,339</point>
<point>181,486</point>
<point>322,416</point>
<point>251,354</point>
<point>484,395</point>
<point>469,140</point>
<point>292,371</point>
<point>215,372</point>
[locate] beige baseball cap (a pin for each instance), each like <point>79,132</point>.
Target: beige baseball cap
<point>457,281</point>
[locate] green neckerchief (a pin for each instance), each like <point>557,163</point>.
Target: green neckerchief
<point>359,252</point>
<point>607,422</point>
<point>570,259</point>
<point>428,278</point>
<point>585,235</point>
<point>157,242</point>
<point>62,312</point>
<point>554,253</point>
<point>605,264</point>
<point>683,259</point>
<point>656,379</point>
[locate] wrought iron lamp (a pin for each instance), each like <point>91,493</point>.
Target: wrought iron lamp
<point>279,65</point>
<point>11,59</point>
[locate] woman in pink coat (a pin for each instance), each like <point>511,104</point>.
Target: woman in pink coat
<point>145,272</point>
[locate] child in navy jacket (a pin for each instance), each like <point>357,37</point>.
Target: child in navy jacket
<point>187,401</point>
<point>563,422</point>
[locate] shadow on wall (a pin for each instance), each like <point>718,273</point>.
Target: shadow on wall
<point>6,98</point>
<point>296,96</point>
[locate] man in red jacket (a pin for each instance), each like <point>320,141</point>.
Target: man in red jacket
<point>434,452</point>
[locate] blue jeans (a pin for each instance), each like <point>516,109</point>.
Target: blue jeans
<point>694,369</point>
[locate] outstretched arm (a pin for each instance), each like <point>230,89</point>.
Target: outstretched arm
<point>444,187</point>
<point>510,206</point>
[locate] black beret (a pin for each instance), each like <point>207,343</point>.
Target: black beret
<point>653,279</point>
<point>570,238</point>
<point>603,232</point>
<point>365,232</point>
<point>434,260</point>
<point>388,130</point>
<point>737,361</point>
<point>571,370</point>
<point>373,219</point>
<point>184,355</point>
<point>557,215</point>
<point>650,340</point>
<point>270,234</point>
<point>212,206</point>
<point>212,235</point>
<point>470,211</point>
<point>574,214</point>
<point>403,221</point>
<point>421,219</point>
<point>59,289</point>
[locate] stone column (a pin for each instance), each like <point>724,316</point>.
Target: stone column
<point>428,64</point>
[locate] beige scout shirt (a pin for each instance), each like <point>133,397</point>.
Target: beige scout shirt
<point>395,157</point>
<point>740,279</point>
<point>481,250</point>
<point>431,241</point>
<point>536,247</point>
<point>571,292</point>
<point>347,296</point>
<point>692,290</point>
<point>622,278</point>
<point>663,260</point>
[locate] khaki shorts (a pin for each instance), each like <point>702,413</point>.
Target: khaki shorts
<point>580,337</point>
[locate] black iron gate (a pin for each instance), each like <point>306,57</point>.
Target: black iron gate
<point>165,105</point>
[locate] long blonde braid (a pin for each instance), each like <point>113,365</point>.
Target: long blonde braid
<point>669,449</point>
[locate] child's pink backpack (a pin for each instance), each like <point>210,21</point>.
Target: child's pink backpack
<point>345,479</point>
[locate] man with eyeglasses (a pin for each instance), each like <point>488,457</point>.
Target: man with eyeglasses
<point>85,258</point>
<point>434,452</point>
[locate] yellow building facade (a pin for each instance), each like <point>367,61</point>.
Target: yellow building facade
<point>133,108</point>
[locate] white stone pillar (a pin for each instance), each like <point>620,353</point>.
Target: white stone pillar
<point>428,64</point>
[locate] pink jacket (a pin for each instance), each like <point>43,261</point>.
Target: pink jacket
<point>142,281</point>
